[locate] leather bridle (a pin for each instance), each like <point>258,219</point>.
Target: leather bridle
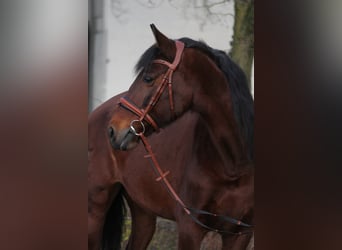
<point>166,80</point>
<point>138,128</point>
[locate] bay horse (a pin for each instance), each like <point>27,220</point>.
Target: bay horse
<point>113,174</point>
<point>209,155</point>
<point>110,171</point>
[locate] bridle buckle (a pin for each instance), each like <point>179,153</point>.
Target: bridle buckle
<point>137,131</point>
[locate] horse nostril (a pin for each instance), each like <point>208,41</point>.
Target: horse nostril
<point>111,133</point>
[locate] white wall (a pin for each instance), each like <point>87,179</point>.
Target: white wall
<point>98,69</point>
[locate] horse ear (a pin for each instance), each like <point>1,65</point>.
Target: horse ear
<point>166,45</point>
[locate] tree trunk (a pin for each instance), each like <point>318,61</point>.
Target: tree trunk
<point>242,51</point>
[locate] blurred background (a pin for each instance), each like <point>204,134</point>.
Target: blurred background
<point>44,108</point>
<point>120,32</point>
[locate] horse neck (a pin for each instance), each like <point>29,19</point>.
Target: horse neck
<point>208,150</point>
<point>215,107</point>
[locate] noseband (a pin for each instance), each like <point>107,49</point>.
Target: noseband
<point>143,114</point>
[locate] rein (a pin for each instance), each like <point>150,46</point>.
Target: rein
<point>138,128</point>
<point>190,211</point>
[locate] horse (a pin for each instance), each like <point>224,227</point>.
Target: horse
<point>208,159</point>
<point>109,173</point>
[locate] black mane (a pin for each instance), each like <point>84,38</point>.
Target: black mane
<point>243,104</point>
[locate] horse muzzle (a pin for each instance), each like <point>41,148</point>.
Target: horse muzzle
<point>122,140</point>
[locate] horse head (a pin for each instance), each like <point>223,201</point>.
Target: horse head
<point>160,93</point>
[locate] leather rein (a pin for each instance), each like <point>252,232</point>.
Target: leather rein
<point>138,128</point>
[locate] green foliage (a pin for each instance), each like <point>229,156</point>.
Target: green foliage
<point>127,230</point>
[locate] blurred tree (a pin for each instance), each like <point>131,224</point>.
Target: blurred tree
<point>242,44</point>
<point>242,50</point>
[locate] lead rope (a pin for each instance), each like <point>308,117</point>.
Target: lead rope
<point>169,188</point>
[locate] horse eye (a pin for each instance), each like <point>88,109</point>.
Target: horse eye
<point>148,79</point>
